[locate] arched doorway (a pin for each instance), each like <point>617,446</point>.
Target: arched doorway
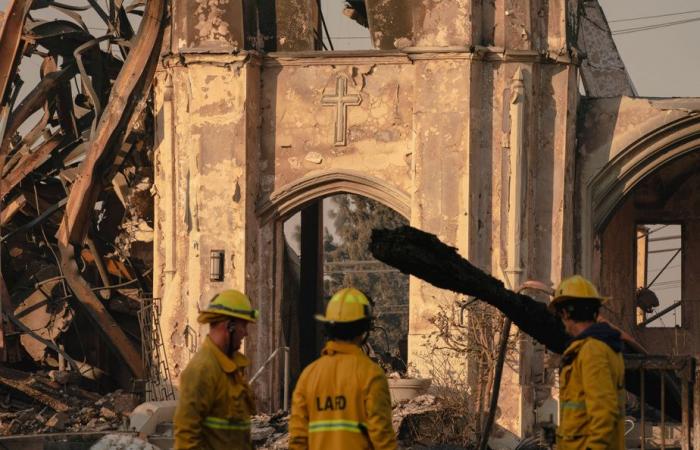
<point>326,248</point>
<point>286,272</point>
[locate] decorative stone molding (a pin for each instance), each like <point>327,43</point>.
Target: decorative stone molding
<point>289,199</point>
<point>517,178</point>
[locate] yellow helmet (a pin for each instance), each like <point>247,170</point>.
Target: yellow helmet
<point>229,303</point>
<point>346,305</point>
<point>575,288</point>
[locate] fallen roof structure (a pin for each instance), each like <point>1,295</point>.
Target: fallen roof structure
<point>75,160</point>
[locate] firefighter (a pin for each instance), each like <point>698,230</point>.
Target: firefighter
<point>341,400</point>
<point>215,403</point>
<point>591,377</point>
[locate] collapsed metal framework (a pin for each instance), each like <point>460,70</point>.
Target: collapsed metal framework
<point>75,166</point>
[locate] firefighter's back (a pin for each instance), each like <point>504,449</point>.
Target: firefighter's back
<point>346,397</point>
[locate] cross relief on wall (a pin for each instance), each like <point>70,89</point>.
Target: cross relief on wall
<point>341,99</point>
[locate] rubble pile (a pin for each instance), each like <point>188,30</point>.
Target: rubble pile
<point>76,208</point>
<point>36,403</point>
<point>428,422</point>
<point>270,432</point>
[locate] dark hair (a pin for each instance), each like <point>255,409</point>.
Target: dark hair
<point>347,331</point>
<point>580,310</point>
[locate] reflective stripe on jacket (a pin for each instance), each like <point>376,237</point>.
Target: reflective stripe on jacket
<point>591,397</point>
<point>341,402</point>
<point>215,404</point>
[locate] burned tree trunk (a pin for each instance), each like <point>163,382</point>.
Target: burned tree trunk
<point>423,255</point>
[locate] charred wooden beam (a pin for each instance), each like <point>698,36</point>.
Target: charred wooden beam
<point>30,162</point>
<point>421,254</point>
<point>21,382</point>
<point>104,322</point>
<point>12,208</point>
<point>36,99</point>
<point>11,43</point>
<point>101,269</point>
<point>132,83</point>
<point>37,221</point>
<point>357,11</point>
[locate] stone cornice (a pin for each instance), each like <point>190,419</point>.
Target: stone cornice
<point>362,57</point>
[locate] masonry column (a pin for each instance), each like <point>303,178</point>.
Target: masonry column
<point>442,90</point>
<point>207,115</point>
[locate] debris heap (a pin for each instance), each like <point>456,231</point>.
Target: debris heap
<point>37,403</point>
<point>76,207</point>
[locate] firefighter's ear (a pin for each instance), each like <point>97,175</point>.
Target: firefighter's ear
<point>563,313</point>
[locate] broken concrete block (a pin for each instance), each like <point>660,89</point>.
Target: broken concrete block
<point>125,403</point>
<point>107,413</point>
<point>57,421</point>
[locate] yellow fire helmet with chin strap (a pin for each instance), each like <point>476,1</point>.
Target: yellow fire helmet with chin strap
<point>347,305</point>
<point>575,288</point>
<point>230,303</point>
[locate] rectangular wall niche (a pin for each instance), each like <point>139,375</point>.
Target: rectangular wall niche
<point>659,275</point>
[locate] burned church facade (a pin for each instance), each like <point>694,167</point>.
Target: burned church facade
<point>508,129</point>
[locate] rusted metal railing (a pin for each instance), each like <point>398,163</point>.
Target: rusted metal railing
<point>669,376</point>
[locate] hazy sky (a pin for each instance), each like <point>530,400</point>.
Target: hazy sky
<point>663,62</point>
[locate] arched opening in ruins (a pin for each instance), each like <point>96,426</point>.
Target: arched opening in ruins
<point>325,248</point>
<point>645,251</point>
<point>648,232</point>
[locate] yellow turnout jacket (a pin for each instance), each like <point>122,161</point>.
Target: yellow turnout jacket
<point>215,404</point>
<point>341,402</point>
<point>591,392</point>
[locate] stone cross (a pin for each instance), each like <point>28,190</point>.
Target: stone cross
<point>341,100</point>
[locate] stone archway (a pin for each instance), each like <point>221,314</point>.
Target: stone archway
<point>301,195</point>
<point>643,182</point>
<point>291,197</point>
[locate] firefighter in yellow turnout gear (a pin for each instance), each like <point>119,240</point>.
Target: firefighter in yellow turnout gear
<point>215,404</point>
<point>341,400</point>
<point>591,379</point>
